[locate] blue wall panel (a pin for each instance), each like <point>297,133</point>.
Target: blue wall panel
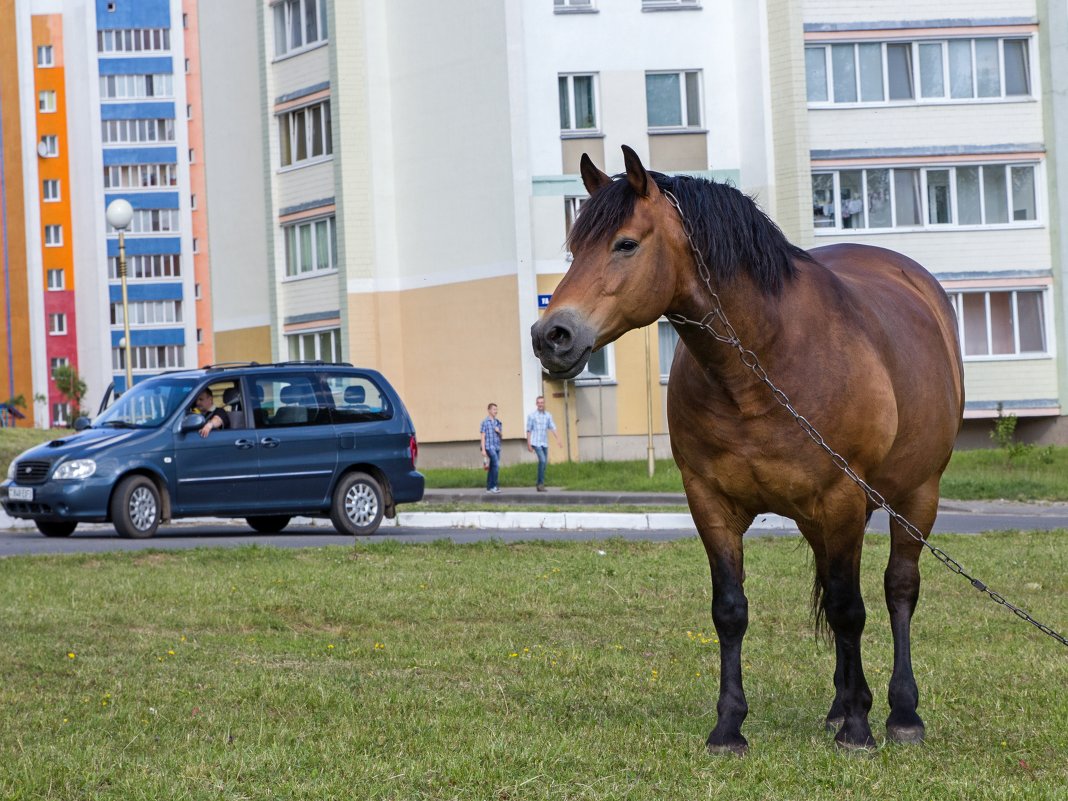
<point>140,155</point>
<point>146,200</point>
<point>156,65</point>
<point>145,291</point>
<point>133,14</point>
<point>146,246</point>
<point>150,336</point>
<point>137,111</point>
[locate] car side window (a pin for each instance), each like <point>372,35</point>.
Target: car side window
<point>291,400</point>
<point>357,399</point>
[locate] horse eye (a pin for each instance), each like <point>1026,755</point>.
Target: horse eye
<point>626,245</point>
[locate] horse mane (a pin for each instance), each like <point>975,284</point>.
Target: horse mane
<point>731,231</point>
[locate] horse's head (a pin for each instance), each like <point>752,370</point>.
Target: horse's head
<point>627,244</point>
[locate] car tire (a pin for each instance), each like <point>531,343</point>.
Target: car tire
<point>135,508</point>
<point>358,505</point>
<point>268,524</point>
<point>57,529</point>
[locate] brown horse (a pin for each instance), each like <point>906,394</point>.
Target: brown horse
<point>863,342</point>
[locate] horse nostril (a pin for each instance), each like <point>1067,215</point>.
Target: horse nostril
<point>559,337</point>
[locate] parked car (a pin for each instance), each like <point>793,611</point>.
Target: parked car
<point>311,439</point>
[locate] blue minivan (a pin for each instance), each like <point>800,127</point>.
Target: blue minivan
<point>300,438</point>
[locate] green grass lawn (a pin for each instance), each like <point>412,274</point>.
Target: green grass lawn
<point>531,671</point>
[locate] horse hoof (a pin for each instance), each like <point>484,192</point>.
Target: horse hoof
<point>912,735</point>
<point>738,749</point>
<point>833,724</point>
<point>864,744</point>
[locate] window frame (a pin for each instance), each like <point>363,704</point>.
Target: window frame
<point>285,7</point>
<point>51,197</point>
<point>684,115</point>
<point>589,378</point>
<point>53,235</point>
<point>917,74</point>
<point>662,325</point>
<point>46,56</point>
<point>311,223</point>
<point>57,324</point>
<point>924,170</point>
<point>288,144</point>
<point>46,101</point>
<point>298,337</point>
<point>572,130</point>
<point>956,297</point>
<point>55,286</point>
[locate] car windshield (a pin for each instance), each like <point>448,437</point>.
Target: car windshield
<point>147,405</point>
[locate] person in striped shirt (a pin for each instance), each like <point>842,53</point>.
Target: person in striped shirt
<point>539,424</point>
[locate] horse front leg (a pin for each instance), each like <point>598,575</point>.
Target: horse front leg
<point>721,530</point>
<point>901,582</point>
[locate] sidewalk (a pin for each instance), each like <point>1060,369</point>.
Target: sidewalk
<point>488,518</point>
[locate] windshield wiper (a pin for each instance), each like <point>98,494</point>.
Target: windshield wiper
<point>119,424</point>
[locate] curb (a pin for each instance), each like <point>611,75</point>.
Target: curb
<point>500,521</point>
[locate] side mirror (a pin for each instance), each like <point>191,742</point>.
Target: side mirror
<point>82,423</point>
<point>192,422</point>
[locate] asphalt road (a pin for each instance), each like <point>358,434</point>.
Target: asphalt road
<point>226,534</point>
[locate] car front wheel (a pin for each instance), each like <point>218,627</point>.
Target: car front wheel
<point>135,508</point>
<point>357,507</point>
<point>61,529</point>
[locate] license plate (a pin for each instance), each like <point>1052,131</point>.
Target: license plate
<point>20,493</point>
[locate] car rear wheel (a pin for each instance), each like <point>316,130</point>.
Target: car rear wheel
<point>61,529</point>
<point>357,507</point>
<point>135,508</point>
<point>268,524</point>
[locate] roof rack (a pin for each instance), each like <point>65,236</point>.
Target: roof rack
<point>225,365</point>
<point>305,362</point>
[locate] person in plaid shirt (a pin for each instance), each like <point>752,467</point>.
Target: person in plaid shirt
<point>490,438</point>
<point>539,424</point>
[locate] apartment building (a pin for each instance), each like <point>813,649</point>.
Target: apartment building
<point>110,108</point>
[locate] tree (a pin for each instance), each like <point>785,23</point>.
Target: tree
<point>71,385</point>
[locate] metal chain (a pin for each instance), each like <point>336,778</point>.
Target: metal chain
<point>727,335</point>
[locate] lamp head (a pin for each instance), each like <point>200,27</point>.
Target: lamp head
<point>119,213</point>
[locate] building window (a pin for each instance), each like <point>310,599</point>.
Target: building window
<point>50,190</point>
<point>323,345</point>
<point>924,71</point>
<point>53,236</point>
<point>149,312</point>
<point>929,197</point>
<point>56,280</point>
<point>60,414</point>
<point>560,6</point>
<point>136,131</point>
<point>189,111</point>
<point>46,101</point>
<point>134,87</point>
<point>600,368</point>
<point>56,362</point>
<point>578,102</point>
<point>1002,323</point>
<point>151,221</point>
<point>200,336</point>
<point>187,66</point>
<point>311,247</point>
<point>193,201</point>
<point>45,56</point>
<point>51,145</point>
<point>673,100</point>
<point>667,338</point>
<point>135,40</point>
<point>57,324</point>
<point>192,156</point>
<point>196,291</point>
<point>167,265</point>
<point>657,5</point>
<point>196,245</point>
<point>304,134</point>
<point>153,357</point>
<point>298,24</point>
<point>140,175</point>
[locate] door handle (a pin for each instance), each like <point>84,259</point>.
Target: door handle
<point>244,444</point>
<point>269,442</point>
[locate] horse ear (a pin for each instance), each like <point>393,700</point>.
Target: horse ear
<point>636,174</point>
<point>592,177</point>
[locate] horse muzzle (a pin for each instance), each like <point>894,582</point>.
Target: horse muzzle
<point>563,343</point>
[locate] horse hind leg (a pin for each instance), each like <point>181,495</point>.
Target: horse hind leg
<point>901,583</point>
<point>843,606</point>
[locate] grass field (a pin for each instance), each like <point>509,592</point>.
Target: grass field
<point>533,671</point>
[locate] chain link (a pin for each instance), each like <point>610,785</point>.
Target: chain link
<point>716,324</point>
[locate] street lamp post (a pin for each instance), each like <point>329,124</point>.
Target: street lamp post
<point>119,214</point>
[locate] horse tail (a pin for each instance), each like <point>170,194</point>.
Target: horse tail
<point>819,613</point>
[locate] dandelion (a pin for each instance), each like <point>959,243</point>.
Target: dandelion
<point>513,655</point>
<point>183,638</point>
<point>170,653</point>
<point>379,646</point>
<point>71,655</point>
<point>330,647</point>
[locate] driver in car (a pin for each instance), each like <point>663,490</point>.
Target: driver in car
<point>215,417</point>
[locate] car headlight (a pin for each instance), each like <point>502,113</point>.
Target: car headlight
<point>76,468</point>
<point>11,471</point>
